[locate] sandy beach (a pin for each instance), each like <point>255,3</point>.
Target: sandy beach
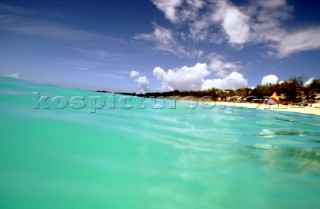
<point>284,108</point>
<point>260,106</point>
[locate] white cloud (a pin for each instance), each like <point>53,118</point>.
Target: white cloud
<point>203,30</point>
<point>187,11</point>
<point>159,73</point>
<point>256,22</point>
<point>199,29</point>
<point>168,7</point>
<point>93,53</point>
<point>266,25</point>
<point>220,67</point>
<point>199,53</point>
<point>142,82</point>
<point>143,85</point>
<point>235,24</point>
<point>269,79</point>
<point>267,28</point>
<point>179,10</point>
<point>233,21</point>
<point>298,41</point>
<point>198,4</point>
<point>164,40</point>
<point>219,10</point>
<point>13,75</point>
<point>184,78</point>
<point>194,78</point>
<point>309,81</point>
<point>234,80</point>
<point>134,74</point>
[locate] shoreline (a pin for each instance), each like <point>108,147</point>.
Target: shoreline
<point>239,105</point>
<point>262,106</point>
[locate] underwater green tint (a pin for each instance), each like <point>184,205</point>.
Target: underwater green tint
<point>152,157</point>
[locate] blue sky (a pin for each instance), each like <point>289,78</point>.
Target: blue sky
<point>159,45</point>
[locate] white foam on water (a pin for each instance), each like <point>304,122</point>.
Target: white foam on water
<point>267,133</point>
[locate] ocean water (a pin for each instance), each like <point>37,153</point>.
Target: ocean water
<point>82,149</point>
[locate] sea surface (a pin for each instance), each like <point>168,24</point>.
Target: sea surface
<point>66,148</point>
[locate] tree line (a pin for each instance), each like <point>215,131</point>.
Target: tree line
<point>291,90</point>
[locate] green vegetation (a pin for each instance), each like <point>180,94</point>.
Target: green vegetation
<point>290,91</point>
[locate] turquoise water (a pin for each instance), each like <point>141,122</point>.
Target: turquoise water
<point>135,154</point>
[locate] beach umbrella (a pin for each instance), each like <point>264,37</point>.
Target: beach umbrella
<point>274,99</point>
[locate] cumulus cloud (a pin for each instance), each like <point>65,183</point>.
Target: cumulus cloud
<point>164,40</point>
<point>184,78</point>
<point>269,79</point>
<point>194,78</point>
<point>13,75</point>
<point>143,85</point>
<point>234,80</point>
<point>142,82</point>
<point>134,73</point>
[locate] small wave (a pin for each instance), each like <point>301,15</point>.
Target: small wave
<point>267,133</point>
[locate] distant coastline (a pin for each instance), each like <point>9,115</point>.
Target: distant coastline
<point>206,100</point>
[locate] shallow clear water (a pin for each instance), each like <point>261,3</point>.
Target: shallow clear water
<point>152,157</point>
